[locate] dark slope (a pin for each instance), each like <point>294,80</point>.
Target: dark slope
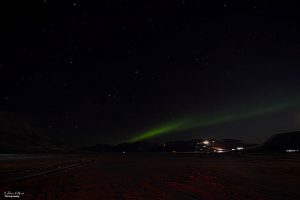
<point>282,141</point>
<point>19,135</point>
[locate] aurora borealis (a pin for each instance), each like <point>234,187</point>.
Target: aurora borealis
<point>159,131</point>
<point>200,122</point>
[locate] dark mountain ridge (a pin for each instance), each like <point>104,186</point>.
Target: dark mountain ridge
<point>18,134</point>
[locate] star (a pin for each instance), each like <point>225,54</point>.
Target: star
<point>197,60</point>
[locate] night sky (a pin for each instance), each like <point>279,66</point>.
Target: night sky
<point>115,71</point>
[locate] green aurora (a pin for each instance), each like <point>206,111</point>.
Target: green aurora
<point>209,120</point>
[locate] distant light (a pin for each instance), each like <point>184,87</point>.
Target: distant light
<point>292,150</point>
<point>213,141</point>
<point>232,149</point>
<point>206,142</point>
<point>164,145</point>
<point>173,151</point>
<point>124,152</point>
<point>239,148</point>
<point>219,150</point>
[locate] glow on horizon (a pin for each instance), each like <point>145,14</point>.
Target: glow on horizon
<point>157,131</point>
<point>200,122</point>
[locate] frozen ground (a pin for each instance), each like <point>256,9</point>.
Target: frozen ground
<point>153,176</point>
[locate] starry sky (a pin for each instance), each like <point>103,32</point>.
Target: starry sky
<point>115,71</point>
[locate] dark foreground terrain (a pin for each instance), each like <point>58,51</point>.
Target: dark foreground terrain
<point>151,176</point>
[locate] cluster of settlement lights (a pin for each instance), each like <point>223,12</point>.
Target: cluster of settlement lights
<point>213,146</point>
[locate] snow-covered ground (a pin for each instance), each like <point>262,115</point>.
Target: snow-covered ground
<point>156,176</point>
